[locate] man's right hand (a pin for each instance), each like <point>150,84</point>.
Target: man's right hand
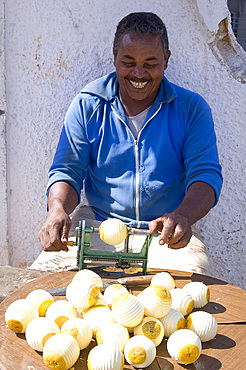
<point>62,200</point>
<point>53,235</point>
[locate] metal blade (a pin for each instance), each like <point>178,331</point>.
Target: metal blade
<point>135,280</point>
<point>128,281</point>
<point>57,291</point>
<point>62,291</point>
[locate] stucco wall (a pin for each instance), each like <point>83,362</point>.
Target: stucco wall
<point>53,48</point>
<point>3,146</point>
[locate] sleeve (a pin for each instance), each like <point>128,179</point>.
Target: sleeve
<point>200,150</point>
<point>73,150</point>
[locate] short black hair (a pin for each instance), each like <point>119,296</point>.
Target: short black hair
<point>141,23</point>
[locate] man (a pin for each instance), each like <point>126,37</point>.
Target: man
<point>145,148</point>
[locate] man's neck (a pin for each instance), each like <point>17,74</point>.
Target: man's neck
<point>134,107</point>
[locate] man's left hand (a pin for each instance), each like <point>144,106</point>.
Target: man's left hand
<point>174,230</point>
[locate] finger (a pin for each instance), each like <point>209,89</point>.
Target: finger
<point>65,232</point>
<point>157,225</point>
<point>55,242</point>
<point>167,231</point>
<point>60,245</point>
<point>177,234</point>
<point>153,227</point>
<point>182,242</point>
<point>53,248</point>
<point>46,244</point>
<point>44,238</point>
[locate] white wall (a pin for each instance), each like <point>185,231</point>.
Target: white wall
<point>3,146</point>
<point>54,47</point>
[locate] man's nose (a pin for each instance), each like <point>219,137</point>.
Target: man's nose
<point>139,71</point>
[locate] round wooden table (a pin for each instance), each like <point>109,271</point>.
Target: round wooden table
<point>226,350</point>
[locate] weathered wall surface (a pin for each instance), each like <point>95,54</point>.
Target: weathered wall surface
<point>3,146</point>
<point>53,48</point>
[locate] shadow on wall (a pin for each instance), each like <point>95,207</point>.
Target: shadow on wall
<point>227,50</point>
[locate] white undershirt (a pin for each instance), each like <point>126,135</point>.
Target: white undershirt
<point>135,123</point>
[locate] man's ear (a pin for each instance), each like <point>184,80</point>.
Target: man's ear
<point>167,59</point>
<point>114,56</point>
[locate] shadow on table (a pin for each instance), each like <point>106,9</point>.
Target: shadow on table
<point>21,336</point>
<point>208,280</point>
<point>213,308</point>
<point>2,297</point>
<point>204,362</point>
<point>219,342</point>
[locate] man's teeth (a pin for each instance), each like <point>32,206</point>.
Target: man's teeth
<point>138,85</point>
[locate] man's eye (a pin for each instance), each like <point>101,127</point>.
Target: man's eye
<point>129,64</point>
<point>147,65</point>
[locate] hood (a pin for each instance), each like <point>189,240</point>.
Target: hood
<point>106,88</point>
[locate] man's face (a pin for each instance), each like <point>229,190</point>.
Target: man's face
<point>140,65</point>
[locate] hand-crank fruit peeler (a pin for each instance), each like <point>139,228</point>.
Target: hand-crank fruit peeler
<point>122,259</point>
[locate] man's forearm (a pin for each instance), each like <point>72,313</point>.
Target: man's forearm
<point>198,201</point>
<point>62,196</point>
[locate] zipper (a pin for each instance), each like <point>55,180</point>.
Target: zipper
<point>137,184</point>
<point>137,169</point>
<point>149,120</point>
<point>136,160</point>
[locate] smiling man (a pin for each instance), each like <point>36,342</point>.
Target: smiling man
<point>144,148</point>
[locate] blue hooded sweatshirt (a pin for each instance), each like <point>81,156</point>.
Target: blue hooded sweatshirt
<point>136,180</point>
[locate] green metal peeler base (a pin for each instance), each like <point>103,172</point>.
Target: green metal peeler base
<point>123,259</point>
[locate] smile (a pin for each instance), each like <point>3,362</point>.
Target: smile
<point>138,85</point>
